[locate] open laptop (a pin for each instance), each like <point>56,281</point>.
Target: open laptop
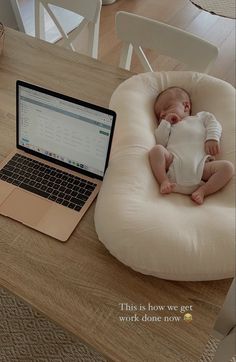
<point>62,151</point>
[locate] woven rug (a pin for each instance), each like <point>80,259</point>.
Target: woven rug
<point>28,336</point>
<point>210,349</point>
<point>224,8</point>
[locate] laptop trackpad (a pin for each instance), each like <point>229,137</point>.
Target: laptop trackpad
<point>24,207</point>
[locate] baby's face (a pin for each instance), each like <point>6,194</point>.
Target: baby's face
<point>173,105</point>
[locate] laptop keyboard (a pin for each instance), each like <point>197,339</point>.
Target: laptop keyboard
<point>58,186</point>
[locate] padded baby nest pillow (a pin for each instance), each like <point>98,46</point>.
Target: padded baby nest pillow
<point>167,236</point>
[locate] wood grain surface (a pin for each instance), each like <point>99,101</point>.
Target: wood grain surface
<point>182,14</point>
<point>79,284</point>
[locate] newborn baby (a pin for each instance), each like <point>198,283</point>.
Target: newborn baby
<point>183,159</point>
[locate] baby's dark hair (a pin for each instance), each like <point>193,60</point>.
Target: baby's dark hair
<point>175,87</point>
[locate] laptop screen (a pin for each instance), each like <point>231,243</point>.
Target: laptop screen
<point>64,129</point>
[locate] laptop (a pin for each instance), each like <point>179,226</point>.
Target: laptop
<point>56,170</point>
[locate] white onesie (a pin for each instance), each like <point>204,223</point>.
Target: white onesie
<point>186,140</point>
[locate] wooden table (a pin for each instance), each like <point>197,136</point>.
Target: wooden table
<point>79,284</point>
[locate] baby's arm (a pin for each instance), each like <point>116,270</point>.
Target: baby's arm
<point>213,134</point>
<point>162,133</point>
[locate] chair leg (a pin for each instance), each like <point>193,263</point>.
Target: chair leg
<point>225,327</point>
<point>227,348</point>
<point>126,56</point>
<point>39,20</point>
<point>93,38</point>
<point>226,319</point>
<point>143,59</point>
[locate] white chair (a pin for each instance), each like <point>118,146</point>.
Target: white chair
<point>225,327</point>
<point>88,9</point>
<point>137,32</point>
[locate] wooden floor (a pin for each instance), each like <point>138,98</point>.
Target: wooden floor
<point>182,14</point>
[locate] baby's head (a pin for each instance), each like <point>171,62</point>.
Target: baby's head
<point>173,104</point>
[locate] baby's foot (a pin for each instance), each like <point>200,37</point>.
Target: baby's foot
<point>167,187</point>
<point>198,196</point>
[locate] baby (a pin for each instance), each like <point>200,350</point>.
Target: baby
<point>183,159</point>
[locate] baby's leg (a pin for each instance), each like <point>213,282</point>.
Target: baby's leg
<point>216,174</point>
<point>160,160</point>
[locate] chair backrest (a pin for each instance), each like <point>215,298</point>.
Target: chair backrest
<point>88,9</point>
<point>137,32</point>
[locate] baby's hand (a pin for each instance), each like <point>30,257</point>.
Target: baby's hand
<point>172,118</point>
<point>212,147</point>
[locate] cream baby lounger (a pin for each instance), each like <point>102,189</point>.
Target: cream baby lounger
<point>167,236</point>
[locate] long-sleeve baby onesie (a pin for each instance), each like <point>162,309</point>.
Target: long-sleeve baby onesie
<point>186,140</point>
